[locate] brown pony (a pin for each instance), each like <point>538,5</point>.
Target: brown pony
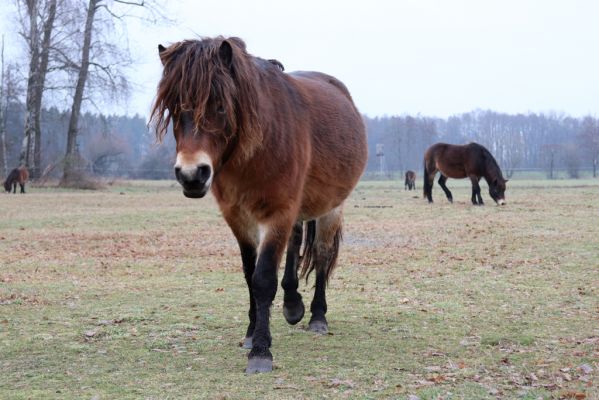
<point>18,175</point>
<point>277,150</point>
<point>410,183</point>
<point>470,160</point>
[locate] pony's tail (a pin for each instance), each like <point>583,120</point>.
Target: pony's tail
<point>311,259</point>
<point>426,187</point>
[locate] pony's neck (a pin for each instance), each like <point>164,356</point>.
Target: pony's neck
<point>492,172</point>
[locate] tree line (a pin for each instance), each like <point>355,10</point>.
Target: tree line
<point>107,145</point>
<point>123,146</point>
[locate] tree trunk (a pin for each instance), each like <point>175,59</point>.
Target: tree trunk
<point>43,69</point>
<point>3,166</point>
<point>32,82</point>
<point>72,153</point>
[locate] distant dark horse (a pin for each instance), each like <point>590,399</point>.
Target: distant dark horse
<point>410,183</point>
<point>276,149</point>
<point>18,175</point>
<point>467,161</point>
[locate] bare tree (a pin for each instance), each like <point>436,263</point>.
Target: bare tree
<point>108,72</point>
<point>37,27</point>
<point>71,154</point>
<point>3,101</point>
<point>589,141</point>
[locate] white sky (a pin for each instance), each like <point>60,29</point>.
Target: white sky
<point>434,57</point>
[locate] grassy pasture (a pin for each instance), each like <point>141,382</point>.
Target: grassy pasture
<point>137,292</point>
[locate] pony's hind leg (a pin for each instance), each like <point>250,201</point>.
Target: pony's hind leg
<point>325,249</point>
<point>429,179</point>
<point>442,180</point>
<point>22,188</point>
<point>293,307</point>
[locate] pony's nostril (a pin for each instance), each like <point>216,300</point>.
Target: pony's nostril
<point>178,173</point>
<point>204,172</point>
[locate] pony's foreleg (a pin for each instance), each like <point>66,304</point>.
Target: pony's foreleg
<point>248,259</point>
<point>14,187</point>
<point>475,189</point>
<point>480,198</point>
<point>22,187</point>
<point>246,232</point>
<point>442,180</point>
<point>293,307</point>
<point>273,239</point>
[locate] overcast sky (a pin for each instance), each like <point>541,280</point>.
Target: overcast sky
<point>434,57</point>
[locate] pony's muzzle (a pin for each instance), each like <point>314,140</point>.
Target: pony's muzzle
<point>195,181</point>
<point>501,202</point>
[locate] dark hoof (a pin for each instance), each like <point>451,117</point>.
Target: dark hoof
<point>258,364</point>
<point>294,313</point>
<point>246,343</point>
<point>320,327</point>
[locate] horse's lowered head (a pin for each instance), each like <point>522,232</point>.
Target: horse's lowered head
<point>497,190</point>
<point>208,93</point>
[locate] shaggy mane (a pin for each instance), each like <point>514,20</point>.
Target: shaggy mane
<point>200,75</point>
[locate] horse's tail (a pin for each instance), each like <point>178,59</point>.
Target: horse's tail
<point>310,257</point>
<point>427,188</point>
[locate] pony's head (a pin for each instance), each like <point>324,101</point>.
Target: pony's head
<point>7,185</point>
<point>208,93</point>
<point>497,190</point>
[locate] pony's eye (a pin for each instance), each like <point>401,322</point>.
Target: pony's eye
<point>220,110</point>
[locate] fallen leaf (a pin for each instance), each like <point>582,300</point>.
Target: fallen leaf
<point>573,395</point>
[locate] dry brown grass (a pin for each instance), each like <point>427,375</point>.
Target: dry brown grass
<point>136,292</point>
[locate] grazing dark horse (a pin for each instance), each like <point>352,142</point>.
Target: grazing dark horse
<point>18,175</point>
<point>410,183</point>
<point>463,161</point>
<point>276,149</point>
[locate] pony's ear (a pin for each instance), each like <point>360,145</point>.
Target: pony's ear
<point>161,49</point>
<point>226,52</point>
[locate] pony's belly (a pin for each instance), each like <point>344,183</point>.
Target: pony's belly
<point>315,205</point>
